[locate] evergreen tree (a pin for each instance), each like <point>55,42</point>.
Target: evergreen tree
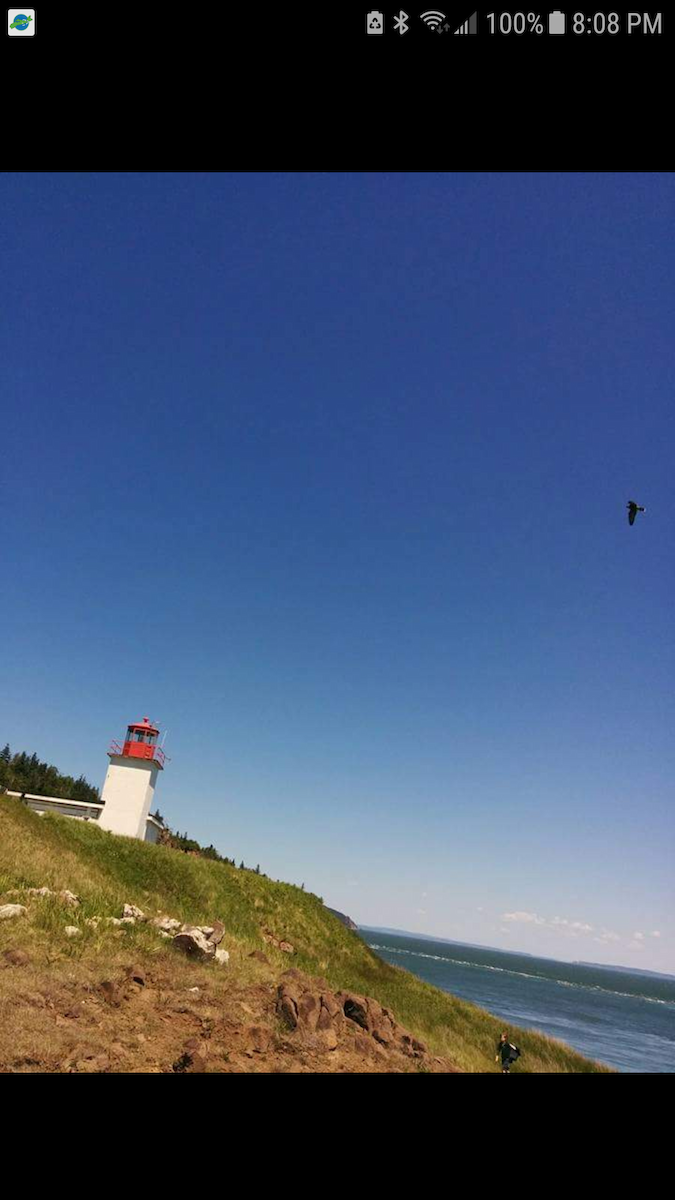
<point>6,754</point>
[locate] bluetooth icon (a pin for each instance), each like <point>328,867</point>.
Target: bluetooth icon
<point>401,22</point>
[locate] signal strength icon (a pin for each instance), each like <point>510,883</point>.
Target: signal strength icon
<point>433,18</point>
<point>470,26</point>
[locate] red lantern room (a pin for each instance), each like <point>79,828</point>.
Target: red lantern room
<point>140,742</point>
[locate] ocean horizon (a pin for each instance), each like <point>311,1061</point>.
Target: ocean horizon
<point>621,1017</point>
<point>579,962</point>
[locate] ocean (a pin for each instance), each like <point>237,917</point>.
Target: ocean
<point>623,1018</point>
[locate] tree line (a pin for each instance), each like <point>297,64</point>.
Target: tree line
<point>181,841</point>
<point>27,773</point>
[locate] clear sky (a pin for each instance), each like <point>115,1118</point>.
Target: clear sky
<point>327,474</point>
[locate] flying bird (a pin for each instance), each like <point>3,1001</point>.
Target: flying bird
<point>633,509</point>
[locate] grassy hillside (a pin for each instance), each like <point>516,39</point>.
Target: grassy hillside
<point>107,871</point>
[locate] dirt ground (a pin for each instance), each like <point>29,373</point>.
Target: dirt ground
<point>157,1017</point>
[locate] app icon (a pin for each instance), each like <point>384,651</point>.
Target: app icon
<point>21,22</point>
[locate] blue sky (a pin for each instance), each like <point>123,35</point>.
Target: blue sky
<point>327,474</point>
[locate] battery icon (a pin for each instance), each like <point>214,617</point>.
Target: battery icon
<point>556,22</point>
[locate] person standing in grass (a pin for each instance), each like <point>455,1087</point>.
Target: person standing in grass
<point>507,1052</point>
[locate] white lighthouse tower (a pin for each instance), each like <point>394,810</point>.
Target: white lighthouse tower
<point>130,780</point>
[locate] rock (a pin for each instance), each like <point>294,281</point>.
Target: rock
<point>217,934</point>
<point>110,992</point>
<point>344,919</point>
<point>16,958</point>
<point>127,920</point>
<point>43,891</point>
<point>113,920</point>
<point>222,957</point>
<point>130,910</point>
<point>195,944</point>
<point>287,948</point>
<point>329,1002</point>
<point>136,975</point>
<point>260,957</point>
<point>194,990</point>
<point>166,924</point>
<point>9,911</point>
<point>93,922</point>
<point>164,934</point>
<point>355,1008</point>
<point>258,1038</point>
<point>364,1045</point>
<point>309,1008</point>
<point>207,930</point>
<point>70,899</point>
<point>72,931</point>
<point>193,1059</point>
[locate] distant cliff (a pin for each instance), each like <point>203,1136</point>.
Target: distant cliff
<point>341,917</point>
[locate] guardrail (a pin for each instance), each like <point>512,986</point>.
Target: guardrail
<point>138,750</point>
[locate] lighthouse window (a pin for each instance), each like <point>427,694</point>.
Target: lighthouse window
<point>140,736</point>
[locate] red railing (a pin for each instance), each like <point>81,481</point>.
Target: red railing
<point>138,750</point>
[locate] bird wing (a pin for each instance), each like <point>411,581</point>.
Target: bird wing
<point>631,514</point>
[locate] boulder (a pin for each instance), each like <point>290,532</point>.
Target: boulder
<point>310,1011</point>
<point>222,957</point>
<point>127,920</point>
<point>43,891</point>
<point>113,920</point>
<point>70,899</point>
<point>193,943</point>
<point>9,911</point>
<point>93,922</point>
<point>72,931</point>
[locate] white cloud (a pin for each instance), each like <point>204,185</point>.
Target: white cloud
<point>636,945</point>
<point>559,924</point>
<point>523,916</point>
<point>638,936</point>
<point>607,935</point>
<point>655,933</point>
<point>422,912</point>
<point>480,908</point>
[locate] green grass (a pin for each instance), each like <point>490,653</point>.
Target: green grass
<point>107,871</point>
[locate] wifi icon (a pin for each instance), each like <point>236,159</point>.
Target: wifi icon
<point>432,19</point>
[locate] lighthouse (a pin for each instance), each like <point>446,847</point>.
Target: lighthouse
<point>129,786</point>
